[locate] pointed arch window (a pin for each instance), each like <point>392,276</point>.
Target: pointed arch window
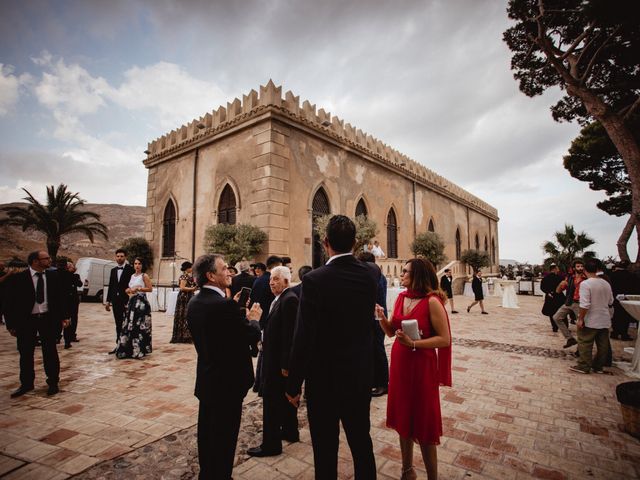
<point>458,244</point>
<point>486,244</point>
<point>431,227</point>
<point>392,234</point>
<point>227,206</point>
<point>169,230</point>
<point>319,207</point>
<point>477,242</point>
<point>361,208</point>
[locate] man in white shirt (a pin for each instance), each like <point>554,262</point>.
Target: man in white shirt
<point>594,321</point>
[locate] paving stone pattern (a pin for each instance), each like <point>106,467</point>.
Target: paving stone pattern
<point>514,412</point>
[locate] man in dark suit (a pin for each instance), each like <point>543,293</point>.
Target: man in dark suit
<point>446,284</point>
<point>117,297</point>
<point>380,360</point>
<point>262,294</point>
<point>36,306</point>
<point>302,271</point>
<point>69,283</point>
<point>279,417</point>
<point>222,336</point>
<point>243,279</point>
<point>332,352</point>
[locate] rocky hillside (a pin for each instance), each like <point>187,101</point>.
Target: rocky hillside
<point>122,222</point>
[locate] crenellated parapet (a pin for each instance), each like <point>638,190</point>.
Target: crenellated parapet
<point>269,98</point>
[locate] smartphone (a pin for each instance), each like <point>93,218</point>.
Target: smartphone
<point>244,296</point>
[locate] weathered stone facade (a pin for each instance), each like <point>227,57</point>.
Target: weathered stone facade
<point>275,155</point>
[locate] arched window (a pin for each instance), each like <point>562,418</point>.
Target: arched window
<point>227,206</point>
<point>458,244</point>
<point>169,230</point>
<point>477,242</point>
<point>361,208</point>
<point>319,208</point>
<point>486,244</point>
<point>431,227</point>
<point>493,251</point>
<point>392,234</point>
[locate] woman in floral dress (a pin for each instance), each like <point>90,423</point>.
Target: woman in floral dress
<point>135,337</point>
<point>181,333</point>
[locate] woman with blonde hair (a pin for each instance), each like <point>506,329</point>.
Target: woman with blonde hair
<point>418,366</point>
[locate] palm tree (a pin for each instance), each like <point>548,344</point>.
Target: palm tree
<point>568,246</point>
<point>62,214</point>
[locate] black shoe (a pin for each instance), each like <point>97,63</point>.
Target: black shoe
<point>555,330</point>
<point>484,313</point>
<point>379,391</point>
<point>454,311</point>
<point>112,352</point>
<point>291,438</point>
<point>570,343</point>
<point>259,452</point>
<point>21,391</point>
<point>53,389</point>
<point>67,346</point>
<point>75,339</point>
<point>468,309</point>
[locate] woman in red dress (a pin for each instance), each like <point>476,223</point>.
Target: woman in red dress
<point>417,370</point>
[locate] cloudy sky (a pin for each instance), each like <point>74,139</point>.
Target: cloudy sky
<point>84,85</point>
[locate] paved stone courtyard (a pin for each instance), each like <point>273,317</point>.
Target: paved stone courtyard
<point>514,412</point>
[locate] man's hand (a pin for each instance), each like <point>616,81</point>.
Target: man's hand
<point>295,401</point>
<point>580,323</point>
<point>285,373</point>
<point>66,323</point>
<point>107,307</point>
<point>255,313</point>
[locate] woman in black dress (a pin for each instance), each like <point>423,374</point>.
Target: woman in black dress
<point>181,333</point>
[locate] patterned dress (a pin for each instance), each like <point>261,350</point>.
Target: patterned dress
<point>181,332</point>
<point>135,337</point>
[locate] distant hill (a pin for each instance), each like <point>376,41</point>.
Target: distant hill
<point>121,220</point>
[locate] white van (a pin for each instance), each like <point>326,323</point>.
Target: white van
<point>94,273</point>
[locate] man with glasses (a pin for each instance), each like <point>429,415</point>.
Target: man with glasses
<point>36,305</point>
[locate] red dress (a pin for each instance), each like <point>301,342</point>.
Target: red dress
<point>413,404</point>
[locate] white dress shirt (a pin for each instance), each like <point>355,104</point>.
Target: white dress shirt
<point>44,306</point>
<point>337,256</point>
<point>596,296</point>
<point>216,289</point>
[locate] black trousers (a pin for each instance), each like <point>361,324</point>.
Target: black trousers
<point>69,333</point>
<point>218,427</point>
<point>325,414</point>
<point>380,361</point>
<point>279,417</point>
<point>47,329</point>
<point>119,309</point>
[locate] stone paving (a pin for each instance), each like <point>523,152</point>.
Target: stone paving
<point>514,412</point>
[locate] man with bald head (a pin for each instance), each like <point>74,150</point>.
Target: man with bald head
<point>36,305</point>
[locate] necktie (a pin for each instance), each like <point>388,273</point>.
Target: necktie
<point>40,288</point>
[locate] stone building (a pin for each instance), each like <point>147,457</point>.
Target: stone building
<point>275,163</point>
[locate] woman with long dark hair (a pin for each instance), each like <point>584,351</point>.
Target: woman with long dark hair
<point>418,367</point>
<point>135,336</point>
<point>181,333</point>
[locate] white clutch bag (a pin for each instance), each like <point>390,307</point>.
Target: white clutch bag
<point>410,329</point>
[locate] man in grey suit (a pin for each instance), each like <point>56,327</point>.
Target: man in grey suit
<point>222,336</point>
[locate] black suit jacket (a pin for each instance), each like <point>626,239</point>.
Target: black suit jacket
<point>21,297</point>
<point>333,336</point>
<point>445,284</point>
<point>117,288</point>
<point>222,336</point>
<point>243,279</point>
<point>261,293</point>
<point>278,336</point>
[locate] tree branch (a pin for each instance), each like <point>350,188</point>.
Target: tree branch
<point>595,56</point>
<point>577,41</point>
<point>631,109</point>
